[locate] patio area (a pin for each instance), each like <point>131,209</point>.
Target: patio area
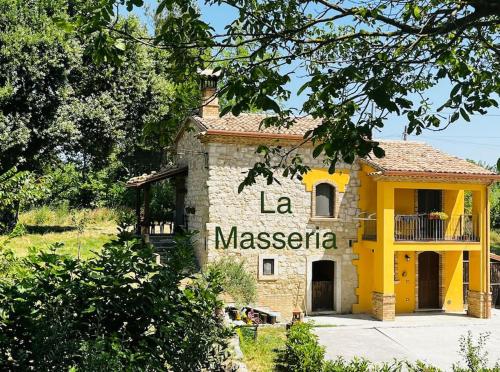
<point>429,337</point>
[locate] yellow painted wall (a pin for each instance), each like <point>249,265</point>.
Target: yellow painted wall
<point>375,264</point>
<point>367,190</point>
<point>453,281</point>
<point>405,286</point>
<point>340,178</point>
<point>365,276</point>
<point>365,249</point>
<point>453,206</point>
<point>404,201</point>
<point>383,265</point>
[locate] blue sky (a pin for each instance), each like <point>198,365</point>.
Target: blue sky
<point>477,140</point>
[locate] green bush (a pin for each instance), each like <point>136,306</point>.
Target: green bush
<point>118,311</point>
<point>238,283</point>
<point>302,351</point>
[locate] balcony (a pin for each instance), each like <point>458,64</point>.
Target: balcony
<point>422,227</point>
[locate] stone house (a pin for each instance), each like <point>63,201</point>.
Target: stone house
<point>361,240</point>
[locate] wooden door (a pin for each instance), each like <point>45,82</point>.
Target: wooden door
<point>428,280</point>
<point>323,286</point>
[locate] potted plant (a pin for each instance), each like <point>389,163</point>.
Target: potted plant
<point>438,216</point>
<point>437,224</point>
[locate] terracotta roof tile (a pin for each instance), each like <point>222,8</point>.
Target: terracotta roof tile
<point>250,123</point>
<point>400,156</point>
<point>154,176</point>
<point>410,156</point>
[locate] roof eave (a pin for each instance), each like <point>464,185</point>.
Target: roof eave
<point>469,176</point>
<point>233,133</point>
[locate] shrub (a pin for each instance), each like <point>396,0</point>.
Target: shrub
<point>118,311</point>
<point>355,365</point>
<point>235,280</point>
<point>473,353</point>
<point>19,230</point>
<point>302,351</point>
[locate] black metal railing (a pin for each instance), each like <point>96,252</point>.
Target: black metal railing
<point>422,227</point>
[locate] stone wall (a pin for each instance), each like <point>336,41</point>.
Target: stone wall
<point>227,208</point>
<point>191,152</point>
<point>479,304</point>
<point>383,306</point>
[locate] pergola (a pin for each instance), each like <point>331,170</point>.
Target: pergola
<point>142,185</point>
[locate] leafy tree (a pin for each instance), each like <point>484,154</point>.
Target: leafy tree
<point>16,188</point>
<point>34,63</point>
<point>361,62</point>
<point>119,311</point>
<point>61,111</point>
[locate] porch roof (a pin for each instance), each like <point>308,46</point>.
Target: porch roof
<point>139,181</point>
<point>409,158</point>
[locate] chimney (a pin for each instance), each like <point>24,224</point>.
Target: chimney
<point>209,101</point>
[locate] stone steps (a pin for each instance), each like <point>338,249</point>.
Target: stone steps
<point>163,243</point>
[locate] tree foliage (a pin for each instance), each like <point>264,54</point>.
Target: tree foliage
<point>84,126</point>
<point>56,103</point>
<point>119,311</point>
<point>360,62</point>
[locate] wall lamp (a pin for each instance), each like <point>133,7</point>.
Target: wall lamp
<point>407,258</point>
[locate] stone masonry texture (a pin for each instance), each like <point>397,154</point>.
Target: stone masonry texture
<point>212,189</point>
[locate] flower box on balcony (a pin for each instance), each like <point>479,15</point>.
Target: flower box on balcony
<point>438,216</point>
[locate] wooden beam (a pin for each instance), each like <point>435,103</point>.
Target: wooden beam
<point>138,211</point>
<point>147,201</point>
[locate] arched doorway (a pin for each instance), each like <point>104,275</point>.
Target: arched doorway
<point>428,280</point>
<point>323,288</point>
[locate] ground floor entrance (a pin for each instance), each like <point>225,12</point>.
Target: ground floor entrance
<point>428,280</point>
<point>323,288</point>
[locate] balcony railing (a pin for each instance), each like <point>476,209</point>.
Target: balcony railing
<point>420,227</point>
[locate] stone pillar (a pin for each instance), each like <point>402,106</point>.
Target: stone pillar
<point>479,304</point>
<point>384,306</point>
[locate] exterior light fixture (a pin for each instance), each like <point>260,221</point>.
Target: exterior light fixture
<point>407,258</point>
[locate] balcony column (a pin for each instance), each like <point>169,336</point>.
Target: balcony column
<point>383,298</point>
<point>479,295</point>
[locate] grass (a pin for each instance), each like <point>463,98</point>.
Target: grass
<point>495,241</point>
<point>260,354</point>
<point>40,228</point>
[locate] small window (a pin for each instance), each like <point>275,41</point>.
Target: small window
<point>268,267</point>
<point>325,200</point>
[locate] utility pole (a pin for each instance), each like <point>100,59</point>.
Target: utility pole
<point>405,133</point>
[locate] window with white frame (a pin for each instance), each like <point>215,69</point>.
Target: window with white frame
<point>268,267</point>
<point>325,200</point>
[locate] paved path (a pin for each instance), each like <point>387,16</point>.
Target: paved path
<point>430,338</point>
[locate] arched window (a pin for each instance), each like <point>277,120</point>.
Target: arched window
<point>325,200</point>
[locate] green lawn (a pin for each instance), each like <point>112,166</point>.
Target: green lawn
<point>92,239</point>
<point>260,354</point>
<point>44,227</point>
